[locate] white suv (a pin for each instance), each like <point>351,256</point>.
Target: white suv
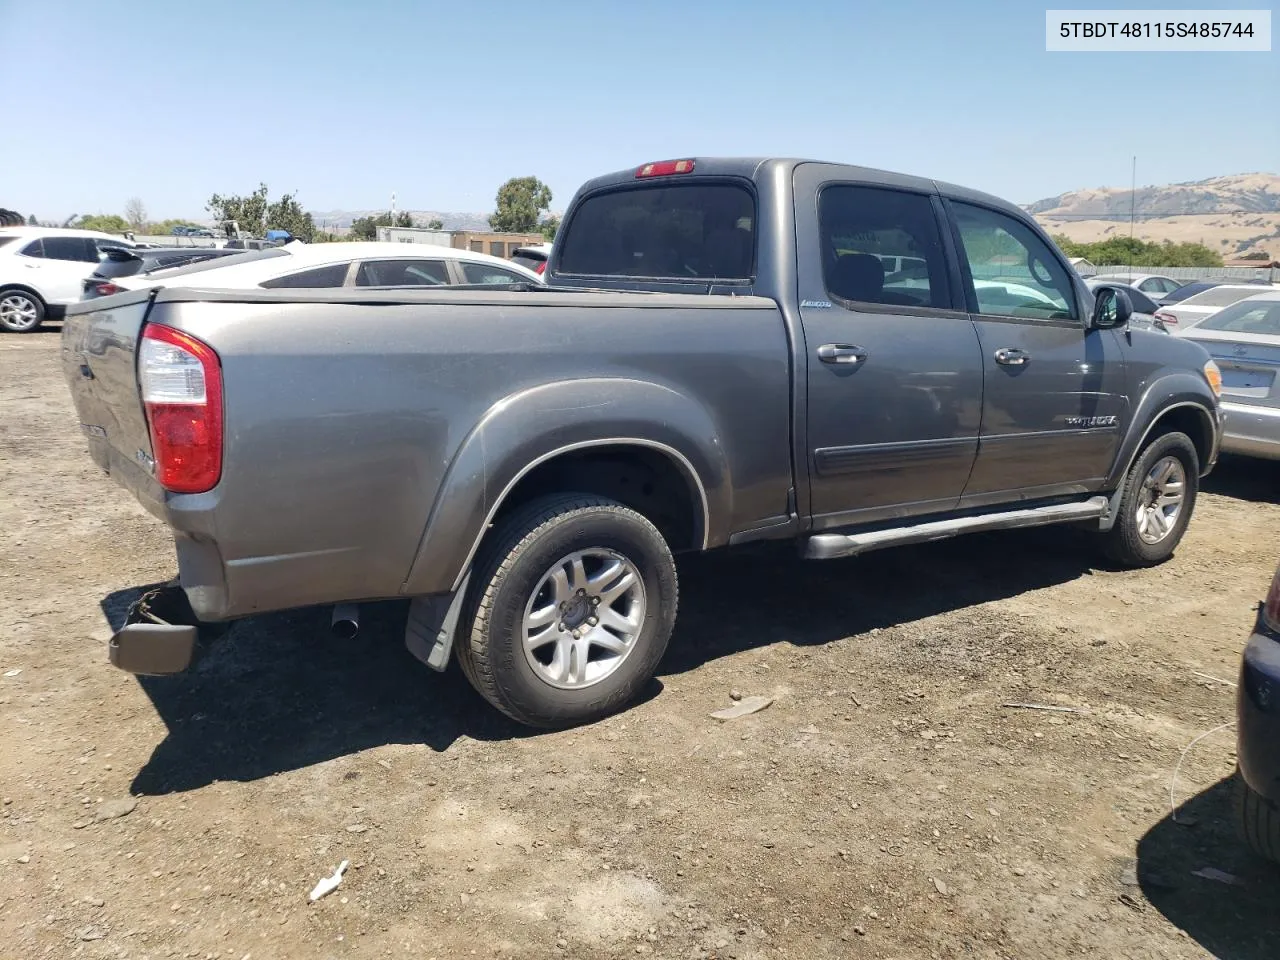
<point>42,269</point>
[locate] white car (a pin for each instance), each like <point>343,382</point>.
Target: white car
<point>42,269</point>
<point>1154,285</point>
<point>327,265</point>
<point>1185,314</point>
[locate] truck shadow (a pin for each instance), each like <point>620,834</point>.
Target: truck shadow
<point>1245,478</point>
<point>278,692</point>
<point>1233,917</point>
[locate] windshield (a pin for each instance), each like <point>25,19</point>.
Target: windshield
<point>217,263</point>
<point>691,231</point>
<point>1247,316</point>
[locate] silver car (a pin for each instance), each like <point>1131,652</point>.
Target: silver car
<point>1244,339</point>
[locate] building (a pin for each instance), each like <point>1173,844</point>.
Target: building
<point>495,244</point>
<point>1084,266</point>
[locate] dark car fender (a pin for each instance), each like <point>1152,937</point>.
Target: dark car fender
<point>1170,395</point>
<point>529,428</point>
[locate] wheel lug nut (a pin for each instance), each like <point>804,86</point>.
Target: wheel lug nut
<point>595,601</point>
<point>593,621</point>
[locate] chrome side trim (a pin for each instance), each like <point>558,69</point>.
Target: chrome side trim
<point>568,448</point>
<point>827,546</point>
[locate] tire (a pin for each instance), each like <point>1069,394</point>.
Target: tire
<point>1148,537</point>
<point>525,574</point>
<point>21,311</point>
<point>1258,820</point>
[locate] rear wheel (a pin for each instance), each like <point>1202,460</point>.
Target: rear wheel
<point>1158,497</point>
<point>21,311</point>
<point>573,601</point>
<point>1258,820</point>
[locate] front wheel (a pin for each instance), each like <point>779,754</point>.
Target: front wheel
<point>573,601</point>
<point>20,311</point>
<point>1158,496</point>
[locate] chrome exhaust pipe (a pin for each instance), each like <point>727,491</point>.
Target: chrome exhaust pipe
<point>346,621</point>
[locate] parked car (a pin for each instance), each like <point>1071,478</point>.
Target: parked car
<point>328,265</point>
<point>524,462</point>
<point>119,262</point>
<point>1178,317</point>
<point>1258,731</point>
<point>1153,285</point>
<point>533,258</point>
<point>1244,340</point>
<point>1200,286</point>
<point>1144,308</point>
<point>42,269</point>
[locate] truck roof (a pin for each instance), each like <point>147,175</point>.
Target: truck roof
<point>755,168</point>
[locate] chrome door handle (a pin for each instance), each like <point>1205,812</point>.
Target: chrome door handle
<point>841,353</point>
<point>1012,357</point>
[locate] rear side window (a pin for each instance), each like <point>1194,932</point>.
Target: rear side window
<point>1014,272</point>
<point>483,273</point>
<point>402,273</point>
<point>882,246</point>
<point>692,231</point>
<point>70,248</point>
<point>333,275</point>
<point>1249,316</point>
<point>33,249</point>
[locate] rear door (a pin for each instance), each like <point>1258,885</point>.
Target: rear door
<point>57,266</point>
<point>892,366</point>
<point>1054,401</point>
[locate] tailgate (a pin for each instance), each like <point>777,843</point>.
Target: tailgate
<point>99,361</point>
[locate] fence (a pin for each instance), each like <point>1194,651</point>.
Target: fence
<point>1190,273</point>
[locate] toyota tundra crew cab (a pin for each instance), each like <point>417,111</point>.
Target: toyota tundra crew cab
<point>726,350</point>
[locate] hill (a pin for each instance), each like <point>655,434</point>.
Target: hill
<point>1233,215</point>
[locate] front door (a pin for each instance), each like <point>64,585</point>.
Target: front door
<point>1054,402</point>
<point>893,368</point>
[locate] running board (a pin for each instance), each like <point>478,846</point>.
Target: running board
<point>828,546</point>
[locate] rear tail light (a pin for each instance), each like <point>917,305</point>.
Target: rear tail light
<point>664,168</point>
<point>181,381</point>
<point>1167,318</point>
<point>107,289</point>
<point>541,268</point>
<point>1271,608</point>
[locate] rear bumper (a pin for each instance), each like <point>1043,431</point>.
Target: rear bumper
<point>1258,715</point>
<point>1250,430</point>
<point>159,634</point>
<point>55,311</point>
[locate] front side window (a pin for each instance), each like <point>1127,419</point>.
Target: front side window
<point>1247,316</point>
<point>333,275</point>
<point>402,273</point>
<point>1014,272</point>
<point>690,231</point>
<point>882,246</point>
<point>483,273</point>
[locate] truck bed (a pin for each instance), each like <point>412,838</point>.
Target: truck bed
<point>351,418</point>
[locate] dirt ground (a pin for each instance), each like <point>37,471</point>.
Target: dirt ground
<point>885,805</point>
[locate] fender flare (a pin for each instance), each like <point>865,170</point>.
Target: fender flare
<point>1171,391</point>
<point>533,426</point>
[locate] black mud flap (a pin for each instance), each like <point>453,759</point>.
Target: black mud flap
<point>159,635</point>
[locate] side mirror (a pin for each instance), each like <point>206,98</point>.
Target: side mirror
<point>1111,309</point>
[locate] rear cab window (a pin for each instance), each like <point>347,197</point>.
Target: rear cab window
<point>701,230</point>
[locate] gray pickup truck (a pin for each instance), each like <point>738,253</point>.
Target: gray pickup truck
<point>727,350</point>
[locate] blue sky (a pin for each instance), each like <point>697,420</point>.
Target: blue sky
<point>345,102</point>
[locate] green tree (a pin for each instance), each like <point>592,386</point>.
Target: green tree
<point>435,224</point>
<point>163,228</point>
<point>366,228</point>
<point>520,201</point>
<point>287,214</point>
<point>1132,252</point>
<point>1257,255</point>
<point>550,227</point>
<point>32,221</point>
<point>249,212</point>
<point>104,223</point>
